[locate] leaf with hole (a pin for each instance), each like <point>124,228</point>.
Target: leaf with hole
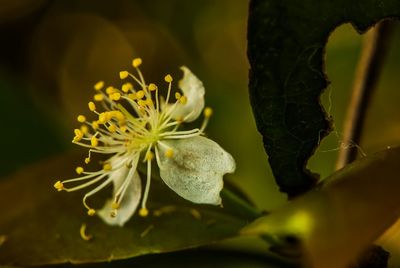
<point>286,43</point>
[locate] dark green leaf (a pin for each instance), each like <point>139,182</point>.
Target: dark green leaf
<point>39,225</point>
<point>331,226</point>
<point>196,258</point>
<point>286,42</point>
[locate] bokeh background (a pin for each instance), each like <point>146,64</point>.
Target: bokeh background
<point>52,52</point>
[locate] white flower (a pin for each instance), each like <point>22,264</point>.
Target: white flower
<point>138,124</point>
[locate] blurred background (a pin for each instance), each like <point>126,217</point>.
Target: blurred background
<point>52,52</point>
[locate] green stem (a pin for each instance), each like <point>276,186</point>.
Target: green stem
<point>239,206</point>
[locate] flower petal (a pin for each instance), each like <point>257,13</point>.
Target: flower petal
<point>194,91</point>
<point>196,169</point>
<point>130,200</point>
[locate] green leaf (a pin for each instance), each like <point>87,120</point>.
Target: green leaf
<point>331,226</point>
<point>286,42</point>
<point>197,258</point>
<point>42,226</point>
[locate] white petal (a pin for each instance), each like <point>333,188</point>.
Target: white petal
<point>193,89</point>
<point>196,169</point>
<point>130,200</point>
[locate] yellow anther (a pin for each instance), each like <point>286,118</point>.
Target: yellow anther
<point>92,106</point>
<point>208,112</point>
<point>126,87</point>
<point>136,62</point>
<point>87,160</point>
<point>84,129</point>
<point>120,116</point>
<point>109,115</point>
<point>102,118</point>
<point>142,103</point>
<point>78,132</point>
<point>115,205</point>
<point>79,170</point>
<point>99,85</point>
<point>123,74</point>
<point>95,125</point>
<point>98,97</point>
<point>81,118</point>
<point>169,153</point>
<point>149,102</point>
<point>91,212</point>
<point>178,95</point>
<point>107,167</point>
<point>143,212</point>
<point>77,138</point>
<point>149,156</point>
<point>152,87</point>
<point>82,232</point>
<point>115,96</point>
<point>183,99</point>
<point>94,142</point>
<point>112,128</point>
<point>110,90</point>
<point>140,94</point>
<point>168,78</point>
<point>78,135</point>
<point>59,186</point>
<point>132,96</point>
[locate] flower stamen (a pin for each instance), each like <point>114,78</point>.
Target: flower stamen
<point>81,118</point>
<point>99,85</point>
<point>129,125</point>
<point>91,212</point>
<point>123,74</point>
<point>143,211</point>
<point>207,114</point>
<point>59,186</point>
<point>79,170</point>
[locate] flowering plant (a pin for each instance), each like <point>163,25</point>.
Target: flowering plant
<point>143,140</point>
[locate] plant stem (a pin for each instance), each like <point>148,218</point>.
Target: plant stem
<point>369,69</point>
<point>374,50</point>
<point>240,205</point>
